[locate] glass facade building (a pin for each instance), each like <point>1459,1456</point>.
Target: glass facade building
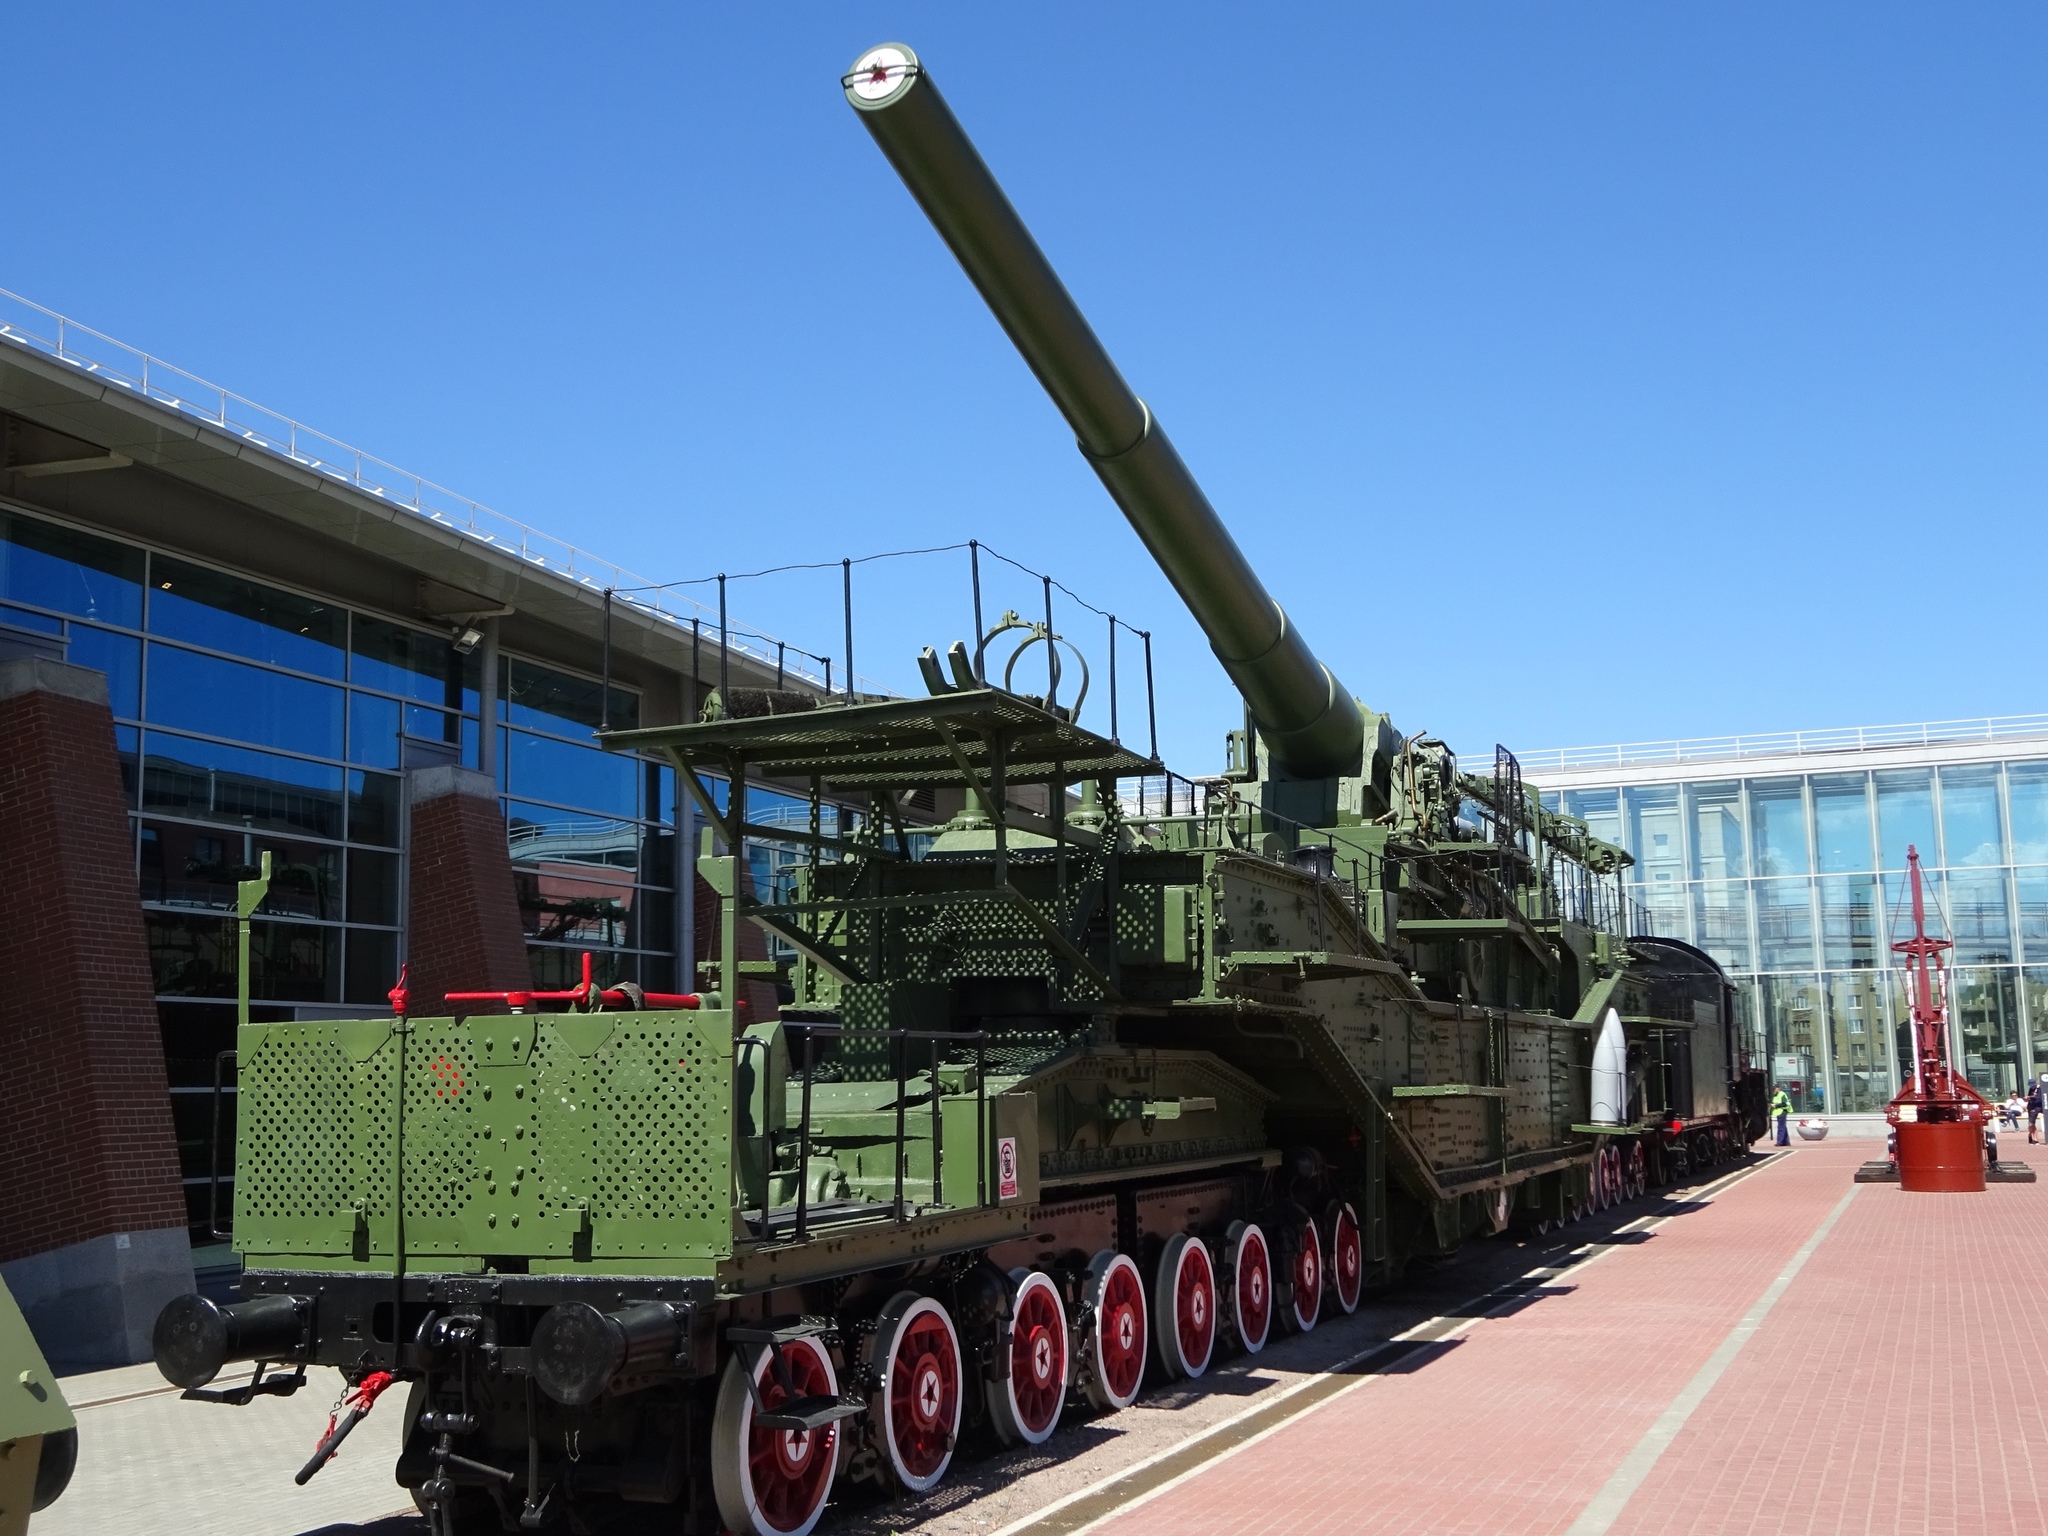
<point>251,718</point>
<point>1791,871</point>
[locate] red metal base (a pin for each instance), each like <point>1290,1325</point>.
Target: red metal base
<point>1941,1157</point>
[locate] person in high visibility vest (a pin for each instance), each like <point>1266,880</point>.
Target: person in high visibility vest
<point>1781,1112</point>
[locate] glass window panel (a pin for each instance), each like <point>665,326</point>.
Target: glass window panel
<point>1841,822</point>
<point>1863,1078</point>
<point>2034,984</point>
<point>373,808</point>
<point>1984,1009</point>
<point>1721,913</point>
<point>244,703</point>
<point>574,906</point>
<point>226,613</point>
<point>1976,907</point>
<point>2032,890</point>
<point>372,730</point>
<point>410,662</point>
<point>193,1034</point>
<point>27,618</point>
<point>1777,820</point>
<point>1905,815</point>
<point>189,955</point>
<point>1784,924</point>
<point>186,866</point>
<point>372,887</point>
<point>660,793</point>
<point>128,748</point>
<point>545,840</point>
<point>52,567</point>
<point>555,701</point>
<point>432,724</point>
<point>207,781</point>
<point>1599,809</point>
<point>542,768</point>
<point>651,920</point>
<point>1792,1019</point>
<point>1654,837</point>
<point>2026,792</point>
<point>1848,922</point>
<point>120,657</point>
<point>194,956</point>
<point>1715,812</point>
<point>1972,831</point>
<point>372,968</point>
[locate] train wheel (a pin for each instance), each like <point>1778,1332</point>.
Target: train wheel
<point>1347,1256</point>
<point>1636,1171</point>
<point>1027,1409</point>
<point>916,1356</point>
<point>1116,1331</point>
<point>1184,1306</point>
<point>1607,1182</point>
<point>1305,1307</point>
<point>773,1482</point>
<point>1250,1265</point>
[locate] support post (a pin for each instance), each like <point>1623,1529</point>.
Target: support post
<point>604,695</point>
<point>974,574</point>
<point>724,646</point>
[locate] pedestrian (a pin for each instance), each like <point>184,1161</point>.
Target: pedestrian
<point>2009,1111</point>
<point>2033,1111</point>
<point>1781,1112</point>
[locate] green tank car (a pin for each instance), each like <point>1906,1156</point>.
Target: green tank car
<point>38,1435</point>
<point>1081,1086</point>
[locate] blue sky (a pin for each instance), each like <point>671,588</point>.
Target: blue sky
<point>1573,373</point>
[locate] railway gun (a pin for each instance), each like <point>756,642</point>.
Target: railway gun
<point>1071,1092</point>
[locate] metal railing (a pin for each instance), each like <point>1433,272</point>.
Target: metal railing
<point>1858,738</point>
<point>28,325</point>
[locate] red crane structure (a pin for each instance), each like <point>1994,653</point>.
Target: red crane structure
<point>1942,1137</point>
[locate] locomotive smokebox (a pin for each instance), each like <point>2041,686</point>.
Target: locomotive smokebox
<point>579,1351</point>
<point>195,1337</point>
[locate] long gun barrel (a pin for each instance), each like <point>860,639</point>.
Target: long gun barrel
<point>1311,725</point>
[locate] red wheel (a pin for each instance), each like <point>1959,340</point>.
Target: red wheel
<point>1027,1410</point>
<point>1305,1307</point>
<point>1636,1171</point>
<point>1251,1285</point>
<point>916,1353</point>
<point>773,1482</point>
<point>1347,1256</point>
<point>1116,1330</point>
<point>1606,1176</point>
<point>1184,1306</point>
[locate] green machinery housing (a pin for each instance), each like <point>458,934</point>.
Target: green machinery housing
<point>1084,1074</point>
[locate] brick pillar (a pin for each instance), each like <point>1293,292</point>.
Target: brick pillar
<point>464,932</point>
<point>92,1221</point>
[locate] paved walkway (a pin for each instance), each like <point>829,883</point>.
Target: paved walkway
<point>1797,1355</point>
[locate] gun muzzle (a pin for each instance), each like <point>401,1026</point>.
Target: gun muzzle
<point>579,1351</point>
<point>195,1337</point>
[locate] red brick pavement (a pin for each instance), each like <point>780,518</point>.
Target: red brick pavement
<point>1868,1402</point>
<point>1896,1387</point>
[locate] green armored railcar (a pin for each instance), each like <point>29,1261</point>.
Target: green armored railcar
<point>1074,1090</point>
